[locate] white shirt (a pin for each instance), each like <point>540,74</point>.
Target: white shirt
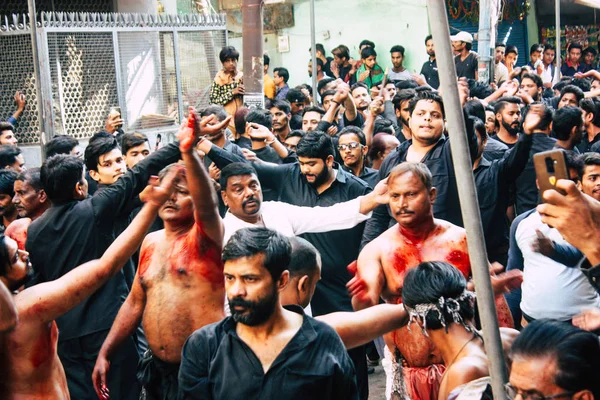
<point>291,220</point>
<point>550,289</point>
<point>547,74</point>
<point>500,73</point>
<point>399,76</point>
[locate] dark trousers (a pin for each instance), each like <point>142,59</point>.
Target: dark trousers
<point>359,358</point>
<point>78,357</point>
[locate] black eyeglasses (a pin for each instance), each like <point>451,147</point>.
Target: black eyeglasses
<point>351,146</point>
<point>512,392</point>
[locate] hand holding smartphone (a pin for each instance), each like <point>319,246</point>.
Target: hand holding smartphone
<point>550,166</point>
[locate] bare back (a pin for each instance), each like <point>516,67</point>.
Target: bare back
<point>184,287</point>
<point>29,363</point>
<point>398,254</point>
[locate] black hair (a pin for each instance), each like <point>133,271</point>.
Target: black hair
<point>367,43</point>
<point>282,105</point>
<point>428,38</point>
<point>239,119</point>
<point>261,117</point>
<point>560,85</point>
<point>319,47</point>
<point>573,160</point>
<point>235,169</point>
<point>61,144</point>
<point>32,177</point>
<point>575,45</point>
<point>359,85</point>
<point>227,53</point>
<point>582,83</point>
<point>406,84</point>
<point>480,90</point>
<point>431,280</point>
<point>586,159</point>
<point>504,101</point>
<point>397,49</point>
<point>314,109</point>
<point>214,109</point>
<point>549,47</point>
<point>328,93</point>
<point>427,96</point>
<point>548,93</point>
<point>97,148</point>
<point>591,105</point>
<point>296,95</point>
<point>319,63</point>
<point>296,133</point>
<point>577,353</point>
<point>304,259</point>
<point>322,83</point>
<point>564,120</point>
<point>131,140</point>
<point>500,44</point>
<point>535,48</point>
<point>5,262</point>
<point>282,73</point>
<point>367,52</point>
<point>7,182</point>
<point>249,242</point>
<point>589,50</point>
<point>579,95</point>
<point>535,78</point>
<point>383,125</point>
<point>341,51</point>
<point>479,127</point>
<point>8,155</point>
<point>354,130</point>
<point>305,86</point>
<point>511,49</point>
<point>60,174</point>
<point>546,119</point>
<point>6,126</point>
<point>266,60</point>
<point>315,145</point>
<point>474,108</point>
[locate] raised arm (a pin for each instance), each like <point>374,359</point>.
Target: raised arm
<point>47,301</point>
<point>266,138</point>
<point>361,327</point>
<point>206,203</point>
<point>368,282</point>
<point>8,311</point>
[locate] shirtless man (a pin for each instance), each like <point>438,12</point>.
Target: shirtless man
<point>383,263</point>
<point>29,362</point>
<point>179,285</point>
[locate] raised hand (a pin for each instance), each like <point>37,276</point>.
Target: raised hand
<point>532,119</point>
<point>382,196</point>
<point>363,76</point>
<point>188,133</point>
<point>20,100</point>
<point>158,192</point>
<point>257,131</point>
<point>376,107</point>
<point>209,126</point>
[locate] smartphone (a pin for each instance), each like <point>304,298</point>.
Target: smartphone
<point>115,111</point>
<point>550,166</point>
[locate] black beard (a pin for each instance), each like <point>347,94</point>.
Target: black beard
<point>257,312</point>
<point>321,178</point>
<point>510,129</point>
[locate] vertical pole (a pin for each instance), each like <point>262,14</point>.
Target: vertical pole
<point>252,32</point>
<point>558,49</point>
<point>120,94</point>
<point>484,41</point>
<point>178,75</point>
<point>44,136</point>
<point>468,195</point>
<point>313,50</point>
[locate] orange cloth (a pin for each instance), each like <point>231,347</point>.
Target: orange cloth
<point>269,87</point>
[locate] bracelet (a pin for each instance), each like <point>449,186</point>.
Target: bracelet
<point>333,101</point>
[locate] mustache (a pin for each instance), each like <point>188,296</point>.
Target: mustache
<point>404,211</point>
<point>239,302</point>
<point>245,203</point>
<point>171,204</point>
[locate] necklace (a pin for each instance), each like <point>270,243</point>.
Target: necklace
<point>460,351</point>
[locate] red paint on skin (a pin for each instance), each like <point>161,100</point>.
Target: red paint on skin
<point>146,257</point>
<point>461,261</point>
<point>17,231</point>
<point>198,253</point>
<point>44,347</point>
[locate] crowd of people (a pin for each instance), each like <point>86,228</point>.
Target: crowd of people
<point>282,252</point>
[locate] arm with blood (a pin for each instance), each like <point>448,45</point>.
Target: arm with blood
<point>367,284</point>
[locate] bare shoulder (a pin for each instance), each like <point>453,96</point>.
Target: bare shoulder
<point>508,336</point>
<point>446,227</point>
<point>466,370</point>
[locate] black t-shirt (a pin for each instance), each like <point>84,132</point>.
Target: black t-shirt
<point>509,145</point>
<point>430,71</point>
<point>467,67</point>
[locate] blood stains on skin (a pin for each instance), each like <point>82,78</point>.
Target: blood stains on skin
<point>43,348</point>
<point>146,257</point>
<point>461,261</point>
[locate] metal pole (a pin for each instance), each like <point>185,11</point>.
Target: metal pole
<point>178,84</point>
<point>44,136</point>
<point>484,41</point>
<point>468,195</point>
<point>558,49</point>
<point>252,31</point>
<point>313,50</point>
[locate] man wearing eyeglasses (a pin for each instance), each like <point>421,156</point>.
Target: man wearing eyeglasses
<point>353,149</point>
<point>554,360</point>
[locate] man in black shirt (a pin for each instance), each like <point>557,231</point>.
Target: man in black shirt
<point>82,228</point>
<point>353,149</point>
<point>316,180</point>
<point>508,115</point>
<point>429,69</point>
<point>279,352</point>
<point>591,123</point>
<point>429,146</point>
<point>466,61</point>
